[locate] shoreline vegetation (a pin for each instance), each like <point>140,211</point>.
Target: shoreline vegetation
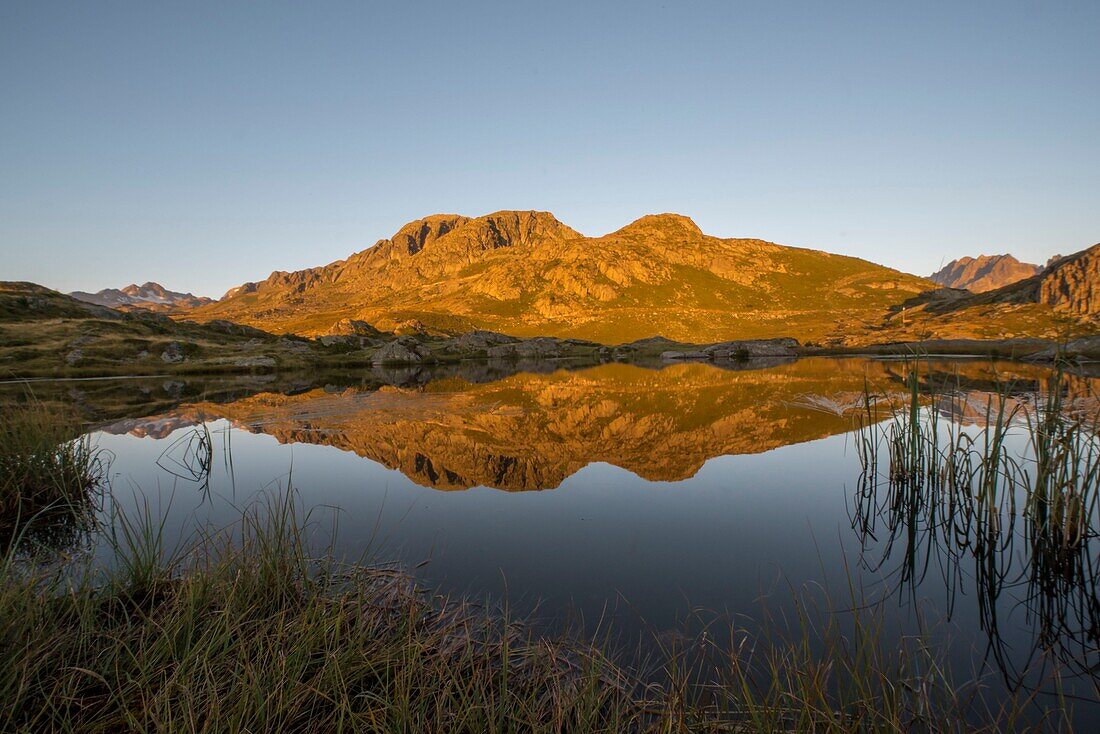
<point>249,628</point>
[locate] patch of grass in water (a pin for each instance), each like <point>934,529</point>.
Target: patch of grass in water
<point>47,467</point>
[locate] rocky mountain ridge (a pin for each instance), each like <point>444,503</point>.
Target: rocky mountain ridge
<point>527,274</point>
<point>149,296</point>
<point>983,273</point>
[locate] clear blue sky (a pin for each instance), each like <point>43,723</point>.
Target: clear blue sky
<point>201,145</point>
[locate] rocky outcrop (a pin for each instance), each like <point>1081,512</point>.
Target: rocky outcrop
<point>736,350</point>
<point>983,273</point>
<point>403,350</point>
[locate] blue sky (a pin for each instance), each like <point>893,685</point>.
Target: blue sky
<point>201,145</point>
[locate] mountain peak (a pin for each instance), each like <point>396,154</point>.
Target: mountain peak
<point>984,272</point>
<point>661,225</point>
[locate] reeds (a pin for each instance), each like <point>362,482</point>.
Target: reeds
<point>47,467</point>
<point>962,502</point>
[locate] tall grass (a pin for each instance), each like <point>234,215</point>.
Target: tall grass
<point>46,465</point>
<point>247,630</point>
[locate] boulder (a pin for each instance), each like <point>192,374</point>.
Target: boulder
<point>677,356</point>
<point>173,353</point>
<point>257,361</point>
<point>403,351</point>
<point>752,348</point>
<point>539,347</point>
<point>352,327</point>
<point>478,340</point>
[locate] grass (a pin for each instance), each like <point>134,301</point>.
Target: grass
<point>246,630</point>
<point>46,467</point>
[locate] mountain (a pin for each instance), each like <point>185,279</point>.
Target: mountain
<point>1069,284</point>
<point>984,273</point>
<point>150,296</point>
<point>527,274</point>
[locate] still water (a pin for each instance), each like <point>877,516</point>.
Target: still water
<point>617,497</point>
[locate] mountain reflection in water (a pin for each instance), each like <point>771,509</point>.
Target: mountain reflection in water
<point>530,431</point>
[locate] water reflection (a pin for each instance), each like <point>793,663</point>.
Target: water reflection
<point>530,431</point>
<point>673,489</point>
<point>1005,508</point>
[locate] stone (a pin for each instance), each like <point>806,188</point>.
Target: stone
<point>172,354</point>
<point>74,357</point>
<point>539,347</point>
<point>477,340</point>
<point>403,351</point>
<point>261,360</point>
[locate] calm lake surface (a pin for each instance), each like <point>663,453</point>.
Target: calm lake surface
<point>633,499</point>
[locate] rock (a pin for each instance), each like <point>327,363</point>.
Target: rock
<point>257,361</point>
<point>74,357</point>
<point>143,354</point>
<point>403,351</point>
<point>1086,349</point>
<point>352,327</point>
<point>331,340</point>
<point>173,353</point>
<point>476,340</point>
<point>294,345</point>
<point>539,347</point>
<point>676,356</point>
<point>753,348</point>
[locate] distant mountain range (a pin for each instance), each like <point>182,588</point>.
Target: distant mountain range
<point>984,273</point>
<point>525,273</point>
<point>149,296</point>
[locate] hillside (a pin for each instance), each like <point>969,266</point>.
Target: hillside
<point>43,332</point>
<point>149,296</point>
<point>983,273</point>
<point>527,274</point>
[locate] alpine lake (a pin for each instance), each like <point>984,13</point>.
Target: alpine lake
<point>653,504</point>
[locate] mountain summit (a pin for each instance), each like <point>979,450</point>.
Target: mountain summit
<point>526,273</point>
<point>983,273</point>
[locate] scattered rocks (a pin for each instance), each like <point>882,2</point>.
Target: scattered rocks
<point>74,357</point>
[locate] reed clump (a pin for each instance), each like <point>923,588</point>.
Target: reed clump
<point>1013,500</point>
<point>47,465</point>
